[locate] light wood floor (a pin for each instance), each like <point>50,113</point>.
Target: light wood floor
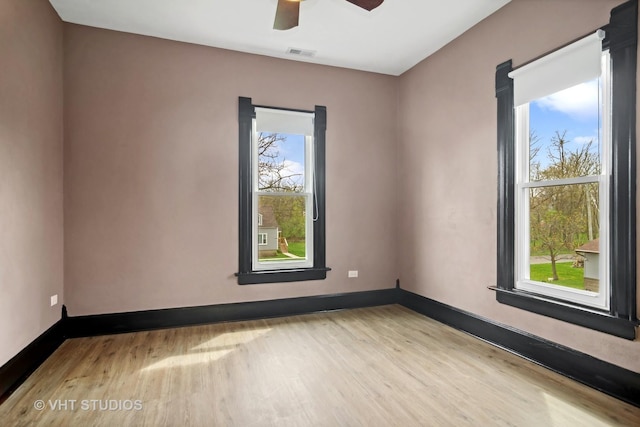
<point>383,366</point>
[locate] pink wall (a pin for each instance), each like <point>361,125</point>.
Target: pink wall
<point>31,238</point>
<point>448,166</point>
<point>151,171</point>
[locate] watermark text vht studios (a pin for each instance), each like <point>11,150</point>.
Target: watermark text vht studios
<point>88,405</point>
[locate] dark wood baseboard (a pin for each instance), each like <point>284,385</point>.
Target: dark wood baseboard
<point>15,371</point>
<point>83,326</point>
<point>613,380</point>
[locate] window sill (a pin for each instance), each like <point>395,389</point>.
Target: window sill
<point>276,276</point>
<point>578,315</point>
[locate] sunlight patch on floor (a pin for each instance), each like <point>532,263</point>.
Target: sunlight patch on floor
<point>211,350</point>
<point>562,413</point>
<point>232,338</point>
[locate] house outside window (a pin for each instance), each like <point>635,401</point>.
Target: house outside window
<point>566,180</point>
<point>268,231</point>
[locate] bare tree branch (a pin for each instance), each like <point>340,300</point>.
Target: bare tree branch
<point>273,173</point>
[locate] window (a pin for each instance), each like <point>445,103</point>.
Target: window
<point>562,154</point>
<point>566,194</point>
<point>281,194</point>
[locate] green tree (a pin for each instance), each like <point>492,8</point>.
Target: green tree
<point>290,214</point>
<point>562,217</point>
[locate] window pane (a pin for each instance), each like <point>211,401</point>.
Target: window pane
<point>564,133</point>
<point>564,235</point>
<point>281,162</point>
<point>284,221</point>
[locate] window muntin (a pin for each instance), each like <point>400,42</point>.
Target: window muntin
<point>562,192</point>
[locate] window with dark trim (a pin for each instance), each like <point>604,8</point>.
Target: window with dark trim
<point>618,315</point>
<point>281,194</point>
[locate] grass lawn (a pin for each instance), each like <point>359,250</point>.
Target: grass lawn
<point>297,248</point>
<point>569,276</point>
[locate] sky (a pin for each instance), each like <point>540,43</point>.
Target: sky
<point>293,148</point>
<point>291,152</point>
<point>574,110</point>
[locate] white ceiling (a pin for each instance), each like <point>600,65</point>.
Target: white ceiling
<point>389,40</point>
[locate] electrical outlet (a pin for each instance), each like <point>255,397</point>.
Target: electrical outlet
<point>353,273</point>
<point>54,300</point>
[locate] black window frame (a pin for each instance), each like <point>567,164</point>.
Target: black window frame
<point>246,275</point>
<point>621,319</point>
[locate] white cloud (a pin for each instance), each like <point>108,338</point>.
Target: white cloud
<point>580,102</point>
<point>294,168</point>
<point>585,139</point>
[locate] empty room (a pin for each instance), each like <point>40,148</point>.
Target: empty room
<point>318,213</point>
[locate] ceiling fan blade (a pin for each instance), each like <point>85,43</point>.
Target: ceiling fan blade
<point>287,14</point>
<point>367,4</point>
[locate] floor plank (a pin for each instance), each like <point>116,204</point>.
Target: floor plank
<point>380,366</point>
